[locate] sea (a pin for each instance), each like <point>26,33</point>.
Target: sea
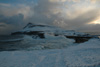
<point>9,42</point>
<point>19,42</point>
<point>25,42</point>
<point>94,33</point>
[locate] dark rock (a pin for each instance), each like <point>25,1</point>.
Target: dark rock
<point>17,33</point>
<point>36,33</point>
<point>79,39</point>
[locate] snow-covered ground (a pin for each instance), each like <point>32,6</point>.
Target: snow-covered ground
<point>82,55</point>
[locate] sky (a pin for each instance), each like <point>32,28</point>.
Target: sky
<point>79,15</point>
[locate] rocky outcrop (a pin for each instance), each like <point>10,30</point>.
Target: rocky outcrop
<point>79,39</point>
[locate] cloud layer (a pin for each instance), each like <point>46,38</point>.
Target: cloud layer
<point>68,14</point>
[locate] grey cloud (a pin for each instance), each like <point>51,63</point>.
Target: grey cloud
<point>91,28</point>
<point>46,12</point>
<point>82,19</point>
<point>2,25</point>
<point>9,24</point>
<point>16,19</point>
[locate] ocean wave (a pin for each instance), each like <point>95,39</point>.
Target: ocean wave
<point>11,40</point>
<point>28,43</point>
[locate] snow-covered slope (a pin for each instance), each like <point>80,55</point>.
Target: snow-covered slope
<point>37,27</point>
<point>82,55</point>
<point>49,29</point>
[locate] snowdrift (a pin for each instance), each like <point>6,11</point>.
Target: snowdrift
<point>82,55</point>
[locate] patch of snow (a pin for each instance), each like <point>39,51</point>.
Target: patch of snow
<point>82,55</point>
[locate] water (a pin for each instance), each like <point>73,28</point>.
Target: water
<point>94,33</point>
<point>13,43</point>
<point>9,43</point>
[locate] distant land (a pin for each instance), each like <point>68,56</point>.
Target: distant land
<point>93,33</point>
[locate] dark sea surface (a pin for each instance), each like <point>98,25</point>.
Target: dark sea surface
<point>9,43</point>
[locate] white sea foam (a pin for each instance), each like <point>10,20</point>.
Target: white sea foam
<point>50,42</point>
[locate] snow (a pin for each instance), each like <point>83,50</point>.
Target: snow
<point>50,29</point>
<point>39,28</point>
<point>83,55</point>
<point>50,42</point>
<point>54,30</point>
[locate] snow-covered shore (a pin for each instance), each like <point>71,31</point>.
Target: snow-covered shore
<point>83,55</point>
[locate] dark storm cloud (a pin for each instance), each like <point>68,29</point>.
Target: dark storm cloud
<point>9,24</point>
<point>14,20</point>
<point>2,25</point>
